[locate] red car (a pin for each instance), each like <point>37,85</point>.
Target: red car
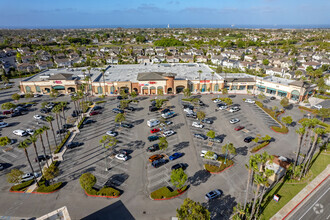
<point>94,113</point>
<point>238,128</point>
<point>7,112</point>
<point>155,130</point>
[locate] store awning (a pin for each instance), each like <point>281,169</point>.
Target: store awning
<point>282,92</point>
<point>59,87</point>
<point>271,89</point>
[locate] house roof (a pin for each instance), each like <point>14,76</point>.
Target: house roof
<point>61,76</point>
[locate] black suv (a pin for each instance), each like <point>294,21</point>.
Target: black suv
<point>153,108</point>
<point>248,139</point>
<point>126,125</point>
<point>73,145</point>
<point>158,163</point>
<point>153,148</point>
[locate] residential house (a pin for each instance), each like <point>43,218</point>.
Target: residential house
<point>143,59</point>
<point>172,59</point>
<point>201,59</point>
<point>43,65</point>
<point>161,53</point>
<point>244,65</point>
<point>230,63</point>
<point>217,60</point>
<point>279,165</point>
<point>27,59</point>
<point>63,62</point>
<point>112,60</point>
<point>26,67</point>
<point>313,64</point>
<point>187,58</point>
<point>248,58</point>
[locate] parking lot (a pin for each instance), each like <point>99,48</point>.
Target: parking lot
<point>136,178</point>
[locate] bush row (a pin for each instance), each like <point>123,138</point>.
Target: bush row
<point>59,147</point>
<point>321,96</point>
<point>282,130</point>
<point>217,169</point>
<point>99,102</point>
<point>256,148</point>
<point>87,181</point>
<point>22,186</point>
<point>314,111</point>
<point>80,123</point>
<point>165,192</point>
<point>51,188</point>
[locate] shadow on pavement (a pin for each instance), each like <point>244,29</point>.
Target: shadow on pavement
<point>222,207</point>
<point>199,177</point>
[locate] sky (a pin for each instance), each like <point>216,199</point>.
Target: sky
<point>34,13</point>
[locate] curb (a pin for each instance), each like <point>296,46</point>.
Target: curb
<point>221,170</point>
<point>306,197</point>
<point>170,197</point>
<point>261,148</point>
<point>16,191</point>
<point>278,131</point>
<point>112,197</point>
<point>45,193</point>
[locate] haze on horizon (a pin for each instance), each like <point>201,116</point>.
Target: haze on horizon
<point>20,13</point>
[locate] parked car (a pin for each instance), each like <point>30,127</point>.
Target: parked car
<point>119,97</point>
<point>67,126</point>
<point>155,130</point>
<point>216,139</point>
<point>37,95</point>
<point>168,133</point>
<point>272,98</point>
<point>238,128</point>
<point>197,125</point>
<point>318,107</point>
<point>153,122</point>
<point>165,110</point>
<point>126,125</point>
<point>191,115</point>
<point>94,113</point>
<point>3,124</point>
<point>61,131</point>
<point>2,117</point>
<point>234,109</point>
<point>153,138</point>
<point>207,121</point>
<point>38,117</point>
<point>223,107</point>
<point>112,133</point>
<point>29,176</point>
<point>41,158</point>
<point>155,157</point>
<point>248,139</point>
<point>130,108</point>
<point>213,194</point>
<point>250,101</point>
<point>44,110</point>
<point>200,103</point>
<point>29,131</point>
<point>203,154</point>
<point>158,163</point>
<point>153,148</point>
<point>200,136</point>
<point>20,132</point>
<point>7,112</point>
<point>15,114</point>
<point>97,107</point>
<point>73,145</point>
<point>234,120</point>
<point>179,166</point>
<point>153,108</point>
<point>117,110</point>
<point>168,115</point>
<point>89,121</point>
<point>121,157</point>
<point>176,156</point>
<point>217,100</point>
<point>188,111</point>
<point>1,167</point>
<point>27,106</point>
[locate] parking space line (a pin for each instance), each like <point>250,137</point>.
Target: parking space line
<point>5,159</point>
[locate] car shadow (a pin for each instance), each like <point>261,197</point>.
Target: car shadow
<point>13,123</point>
<point>242,150</point>
<point>199,177</point>
<point>117,180</point>
<point>180,146</point>
<point>222,207</point>
<point>137,122</point>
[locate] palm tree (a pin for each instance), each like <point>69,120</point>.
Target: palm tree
<point>39,132</point>
<point>63,106</point>
<point>50,119</point>
<point>33,139</point>
<point>300,132</point>
<point>265,184</point>
<point>251,167</point>
<point>24,145</point>
<point>45,128</point>
<point>199,75</point>
<point>56,110</point>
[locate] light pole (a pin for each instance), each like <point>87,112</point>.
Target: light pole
<point>226,153</point>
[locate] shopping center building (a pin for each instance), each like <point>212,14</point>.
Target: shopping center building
<point>164,78</point>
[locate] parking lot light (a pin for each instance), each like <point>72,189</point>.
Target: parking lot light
<point>226,153</point>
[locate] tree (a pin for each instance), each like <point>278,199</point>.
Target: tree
<point>285,102</point>
<point>87,181</point>
<point>230,148</point>
<point>53,93</point>
<point>224,91</point>
<point>178,177</point>
<point>324,113</point>
<point>28,95</point>
<point>15,176</point>
<point>107,142</point>
<point>51,172</point>
<point>191,210</point>
<point>49,119</point>
<point>120,117</point>
<point>211,134</point>
<point>45,128</point>
<point>287,120</point>
<point>187,92</point>
<point>200,115</point>
<point>300,132</point>
<point>8,105</point>
<point>4,141</point>
<point>15,97</point>
<point>261,96</point>
<point>39,132</point>
<point>298,73</point>
<point>160,92</point>
<point>134,94</point>
<point>163,144</point>
<point>124,104</point>
<point>33,139</point>
<point>218,69</point>
<point>252,165</point>
<point>123,94</point>
<point>265,62</point>
<point>23,145</point>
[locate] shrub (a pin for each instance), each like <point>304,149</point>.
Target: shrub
<point>166,192</point>
<point>59,147</point>
<point>87,181</point>
<point>50,188</point>
<point>80,123</point>
<point>217,169</point>
<point>244,99</point>
<point>283,129</point>
<point>22,186</point>
<point>108,191</point>
<point>262,145</point>
<point>313,111</point>
<point>99,102</point>
<point>228,101</point>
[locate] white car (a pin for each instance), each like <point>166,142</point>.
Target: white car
<point>153,122</point>
<point>214,157</point>
<point>121,157</point>
<point>29,176</point>
<point>188,111</point>
<point>234,109</point>
<point>37,95</point>
<point>168,133</point>
<point>197,125</point>
<point>3,124</point>
<point>234,120</point>
<point>250,101</point>
<point>223,107</point>
<point>318,107</point>
<point>217,100</point>
<point>38,117</point>
<point>20,132</point>
<point>30,131</point>
<point>112,133</point>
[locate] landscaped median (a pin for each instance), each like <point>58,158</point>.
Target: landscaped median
<point>260,146</point>
<point>88,180</point>
<point>22,187</point>
<point>166,193</point>
<point>313,111</point>
<point>214,169</point>
<point>283,129</point>
<point>228,101</point>
<point>59,147</point>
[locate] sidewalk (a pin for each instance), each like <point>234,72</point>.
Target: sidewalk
<point>59,156</point>
<point>287,210</point>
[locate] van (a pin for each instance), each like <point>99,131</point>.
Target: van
<point>153,122</point>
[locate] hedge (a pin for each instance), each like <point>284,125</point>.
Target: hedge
<point>59,147</point>
<point>108,191</point>
<point>51,188</point>
<point>165,193</point>
<point>228,101</point>
<point>216,169</point>
<point>22,186</point>
<point>282,130</point>
<point>313,111</point>
<point>99,102</point>
<point>80,123</point>
<point>321,96</point>
<point>262,145</point>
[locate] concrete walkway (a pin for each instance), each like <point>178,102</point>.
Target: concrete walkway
<point>287,210</point>
<point>59,156</point>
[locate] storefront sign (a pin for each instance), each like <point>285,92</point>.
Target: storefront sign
<point>144,84</point>
<point>152,82</point>
<point>204,81</point>
<point>57,82</point>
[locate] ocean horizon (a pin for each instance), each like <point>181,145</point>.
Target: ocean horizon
<point>234,26</point>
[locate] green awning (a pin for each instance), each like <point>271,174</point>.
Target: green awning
<point>59,87</point>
